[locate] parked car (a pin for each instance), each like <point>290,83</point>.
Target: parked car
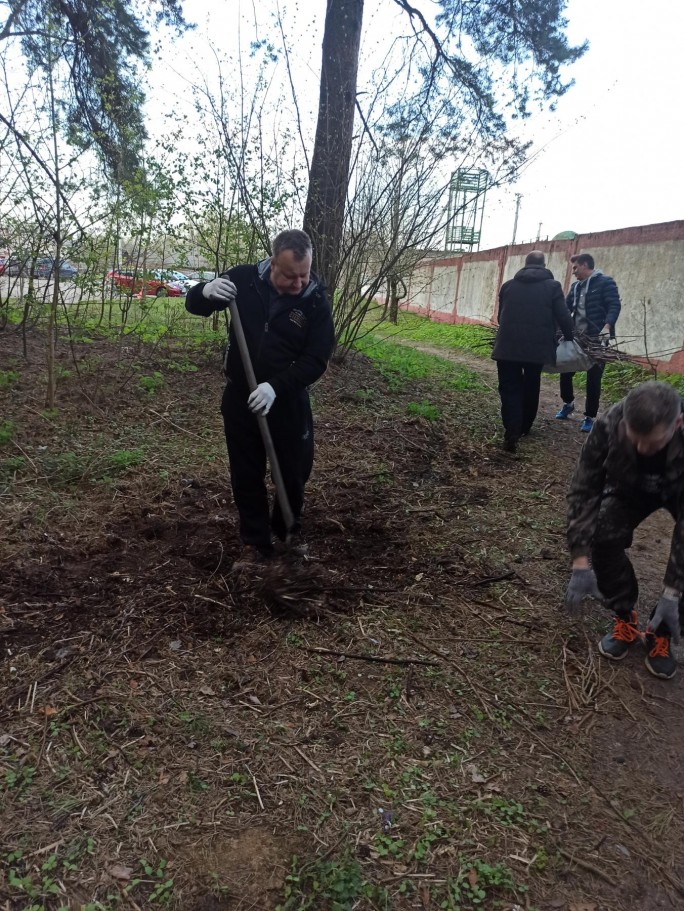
<point>45,268</point>
<point>16,265</point>
<point>134,283</point>
<point>174,278</point>
<point>201,276</point>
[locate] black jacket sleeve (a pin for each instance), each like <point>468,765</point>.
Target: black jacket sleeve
<point>196,302</point>
<point>560,312</point>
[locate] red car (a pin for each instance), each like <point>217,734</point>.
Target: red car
<point>134,283</point>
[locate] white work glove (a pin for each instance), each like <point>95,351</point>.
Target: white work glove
<point>220,291</point>
<point>667,613</point>
<point>261,399</point>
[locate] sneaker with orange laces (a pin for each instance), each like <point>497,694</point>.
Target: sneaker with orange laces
<point>659,660</point>
<point>624,633</point>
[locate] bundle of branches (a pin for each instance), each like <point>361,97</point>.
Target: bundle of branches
<point>600,348</point>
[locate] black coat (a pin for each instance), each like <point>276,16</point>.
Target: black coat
<point>290,338</point>
<point>531,307</point>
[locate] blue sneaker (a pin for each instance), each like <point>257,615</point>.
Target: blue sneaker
<point>565,411</point>
<point>586,425</point>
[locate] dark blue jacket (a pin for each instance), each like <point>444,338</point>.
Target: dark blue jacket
<point>602,303</point>
<point>290,338</point>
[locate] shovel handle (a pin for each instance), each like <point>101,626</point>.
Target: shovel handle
<point>264,429</point>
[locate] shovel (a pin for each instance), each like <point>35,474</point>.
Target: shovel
<point>264,429</point>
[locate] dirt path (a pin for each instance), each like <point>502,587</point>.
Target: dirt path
<point>642,745</point>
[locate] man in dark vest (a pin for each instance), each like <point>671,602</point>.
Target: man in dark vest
<point>531,307</point>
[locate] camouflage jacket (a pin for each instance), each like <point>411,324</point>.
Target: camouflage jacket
<point>608,462</point>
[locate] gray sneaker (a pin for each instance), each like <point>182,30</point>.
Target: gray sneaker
<point>622,636</point>
<point>660,661</point>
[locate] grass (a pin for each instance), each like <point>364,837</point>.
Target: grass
<point>618,378</point>
<point>401,366</point>
<point>414,327</point>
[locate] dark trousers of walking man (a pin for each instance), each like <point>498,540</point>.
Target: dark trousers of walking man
<point>594,375</point>
<point>519,385</point>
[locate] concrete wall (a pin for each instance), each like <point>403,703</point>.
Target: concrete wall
<point>647,263</point>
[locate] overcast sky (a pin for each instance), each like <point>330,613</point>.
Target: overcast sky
<point>611,154</point>
<point>613,150</point>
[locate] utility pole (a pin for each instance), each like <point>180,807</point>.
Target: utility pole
<point>518,197</point>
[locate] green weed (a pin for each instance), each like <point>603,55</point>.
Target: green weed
<point>19,779</point>
<point>7,377</point>
<point>474,882</point>
<point>182,367</point>
<point>122,459</point>
<point>336,885</point>
<point>424,410</point>
<point>151,384</point>
<point>196,724</point>
<point>12,465</point>
<point>507,812</point>
<point>162,890</point>
<point>6,431</point>
<point>385,846</point>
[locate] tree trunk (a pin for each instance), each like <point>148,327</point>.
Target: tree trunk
<point>393,300</point>
<point>329,177</point>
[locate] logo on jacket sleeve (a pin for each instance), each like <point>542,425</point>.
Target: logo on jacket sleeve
<point>298,318</point>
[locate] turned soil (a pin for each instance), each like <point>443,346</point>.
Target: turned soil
<point>405,720</point>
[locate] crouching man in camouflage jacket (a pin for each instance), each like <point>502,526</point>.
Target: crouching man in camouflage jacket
<point>631,465</point>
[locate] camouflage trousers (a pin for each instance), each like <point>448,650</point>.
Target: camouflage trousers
<point>617,520</point>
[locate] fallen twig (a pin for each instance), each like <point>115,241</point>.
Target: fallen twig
<point>589,867</point>
<point>381,659</point>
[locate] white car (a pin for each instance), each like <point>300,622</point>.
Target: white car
<point>173,277</point>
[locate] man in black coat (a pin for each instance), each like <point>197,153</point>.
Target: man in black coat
<point>288,325</point>
<point>594,304</point>
<point>531,306</point>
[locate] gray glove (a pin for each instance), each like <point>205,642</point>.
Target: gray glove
<point>582,585</point>
<point>220,291</point>
<point>261,399</point>
<point>667,613</point>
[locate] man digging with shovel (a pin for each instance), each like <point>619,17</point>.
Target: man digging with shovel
<point>281,338</point>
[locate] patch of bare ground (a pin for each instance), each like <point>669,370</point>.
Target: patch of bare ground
<point>406,721</point>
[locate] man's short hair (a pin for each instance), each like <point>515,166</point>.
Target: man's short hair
<point>294,239</point>
<point>535,258</point>
<point>650,404</point>
<point>584,259</point>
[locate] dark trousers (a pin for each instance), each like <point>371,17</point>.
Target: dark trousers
<point>291,425</point>
<point>594,375</point>
<point>617,519</point>
<point>519,392</point>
